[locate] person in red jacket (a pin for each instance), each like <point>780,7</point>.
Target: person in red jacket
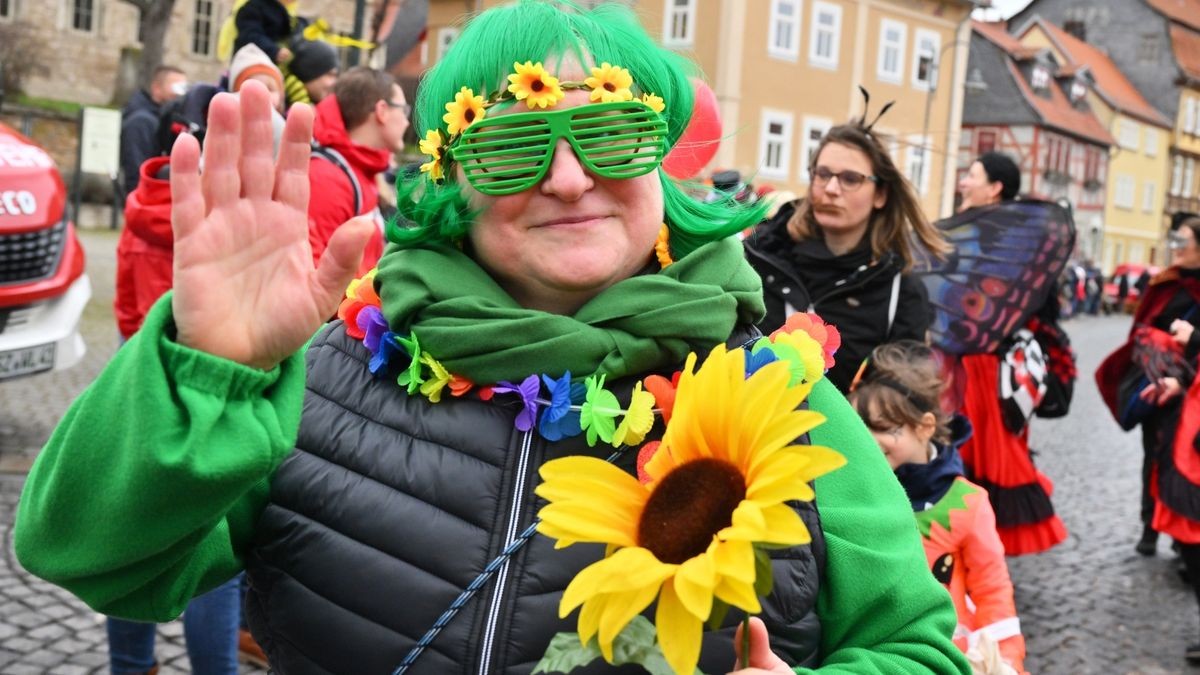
<point>355,133</point>
<point>144,252</point>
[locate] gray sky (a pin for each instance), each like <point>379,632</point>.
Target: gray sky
<point>1002,9</point>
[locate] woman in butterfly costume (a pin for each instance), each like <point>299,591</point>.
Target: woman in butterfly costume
<point>369,476</point>
<point>1164,345</point>
<point>997,457</point>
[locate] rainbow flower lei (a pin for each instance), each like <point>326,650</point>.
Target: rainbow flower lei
<point>560,407</point>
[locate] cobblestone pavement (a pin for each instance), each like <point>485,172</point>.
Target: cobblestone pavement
<point>1091,605</point>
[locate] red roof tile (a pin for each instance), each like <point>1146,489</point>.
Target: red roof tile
<point>997,34</point>
<point>1186,45</point>
<point>1110,81</point>
<point>1184,11</point>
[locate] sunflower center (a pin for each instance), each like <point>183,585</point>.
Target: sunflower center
<point>470,115</point>
<point>537,85</point>
<point>689,506</point>
<point>610,86</point>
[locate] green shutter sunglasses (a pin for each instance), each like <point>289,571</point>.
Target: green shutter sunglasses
<point>511,153</point>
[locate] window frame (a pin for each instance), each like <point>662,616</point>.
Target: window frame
<point>922,143</point>
<point>788,121</point>
<point>901,48</point>
<point>1151,141</point>
<point>11,14</point>
<point>1189,177</point>
<point>1176,176</point>
<point>816,29</point>
<point>1124,191</point>
<point>93,15</point>
<point>918,36</point>
<point>1129,134</point>
<point>792,54</point>
<point>808,146</point>
<point>443,46</point>
<point>212,28</point>
<point>1149,191</point>
<point>670,11</point>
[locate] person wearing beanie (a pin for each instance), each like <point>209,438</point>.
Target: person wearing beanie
<point>267,24</point>
<point>251,63</point>
<point>312,71</point>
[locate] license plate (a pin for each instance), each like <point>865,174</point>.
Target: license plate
<point>26,361</point>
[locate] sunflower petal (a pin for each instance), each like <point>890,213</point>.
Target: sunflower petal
<point>735,559</point>
<point>619,611</point>
<point>679,631</point>
<point>589,618</point>
<point>586,522</point>
<point>784,526</point>
<point>639,569</point>
<point>739,594</point>
<point>748,523</point>
<point>694,583</point>
<point>585,586</point>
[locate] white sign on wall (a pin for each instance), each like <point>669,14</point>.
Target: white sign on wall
<point>100,141</point>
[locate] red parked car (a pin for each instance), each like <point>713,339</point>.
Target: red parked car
<point>43,288</point>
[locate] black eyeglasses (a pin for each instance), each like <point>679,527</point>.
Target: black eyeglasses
<point>848,180</point>
<point>403,106</point>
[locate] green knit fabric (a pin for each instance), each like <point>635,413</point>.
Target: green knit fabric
<point>647,322</point>
<point>148,491</point>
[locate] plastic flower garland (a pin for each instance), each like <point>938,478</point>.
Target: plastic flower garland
<point>558,406</point>
<point>531,83</point>
<point>694,536</point>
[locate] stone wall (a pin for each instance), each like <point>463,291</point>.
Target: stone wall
<point>57,133</point>
<point>85,67</point>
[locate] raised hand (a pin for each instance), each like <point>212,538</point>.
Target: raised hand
<point>762,660</point>
<point>245,285</point>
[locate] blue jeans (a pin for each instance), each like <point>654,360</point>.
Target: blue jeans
<point>210,628</point>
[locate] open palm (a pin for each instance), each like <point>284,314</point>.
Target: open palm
<point>245,285</point>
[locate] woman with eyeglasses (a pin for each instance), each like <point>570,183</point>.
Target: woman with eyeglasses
<point>375,481</point>
<point>844,251</point>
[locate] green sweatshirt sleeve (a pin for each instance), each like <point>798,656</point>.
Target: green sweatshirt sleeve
<point>881,609</point>
<point>149,488</point>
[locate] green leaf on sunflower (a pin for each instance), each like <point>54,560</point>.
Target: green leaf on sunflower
<point>636,644</point>
<point>762,572</point>
<point>720,609</point>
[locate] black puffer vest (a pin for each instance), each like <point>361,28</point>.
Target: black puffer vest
<point>390,506</point>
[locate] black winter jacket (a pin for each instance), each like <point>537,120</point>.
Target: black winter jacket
<point>265,23</point>
<point>386,486</point>
<point>139,127</point>
<point>850,291</point>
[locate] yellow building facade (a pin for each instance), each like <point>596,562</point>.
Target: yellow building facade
<point>784,71</point>
<point>1183,181</point>
<point>1138,163</point>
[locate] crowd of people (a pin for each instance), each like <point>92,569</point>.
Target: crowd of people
<point>262,459</point>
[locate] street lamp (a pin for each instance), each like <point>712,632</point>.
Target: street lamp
<point>974,82</point>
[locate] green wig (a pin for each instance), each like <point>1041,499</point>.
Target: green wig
<point>540,30</point>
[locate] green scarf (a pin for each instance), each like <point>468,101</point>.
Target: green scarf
<point>647,322</point>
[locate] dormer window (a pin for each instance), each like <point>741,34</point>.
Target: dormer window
<point>1078,91</point>
<point>1040,78</point>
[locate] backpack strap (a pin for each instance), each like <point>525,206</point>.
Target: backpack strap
<point>331,155</point>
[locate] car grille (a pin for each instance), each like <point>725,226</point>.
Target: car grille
<point>30,256</point>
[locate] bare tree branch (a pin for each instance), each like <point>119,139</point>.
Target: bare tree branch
<point>154,21</point>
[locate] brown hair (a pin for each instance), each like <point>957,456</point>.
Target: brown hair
<point>358,90</point>
<point>889,225</point>
<point>901,381</point>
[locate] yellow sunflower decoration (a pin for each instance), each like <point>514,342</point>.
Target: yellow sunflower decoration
<point>532,84</point>
<point>655,102</point>
<point>432,145</point>
<point>609,83</point>
<point>719,486</point>
<point>465,110</point>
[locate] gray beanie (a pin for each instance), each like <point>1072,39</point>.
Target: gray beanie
<point>312,59</point>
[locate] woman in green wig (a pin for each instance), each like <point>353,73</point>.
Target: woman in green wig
<point>381,482</point>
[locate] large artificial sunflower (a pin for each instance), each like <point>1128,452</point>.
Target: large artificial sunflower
<point>718,486</point>
<point>532,84</point>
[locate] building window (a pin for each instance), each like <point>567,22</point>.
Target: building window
<point>83,15</point>
<point>1078,91</point>
<point>1176,176</point>
<point>1149,188</point>
<point>917,163</point>
<point>892,36</point>
<point>1123,195</point>
<point>1189,115</point>
<point>1151,142</point>
<point>775,143</point>
<point>785,29</point>
<point>1129,134</point>
<point>1040,78</point>
<point>202,28</point>
<point>985,142</point>
<point>445,40</point>
<point>814,131</point>
<point>1189,173</point>
<point>826,38</point>
<point>679,21</point>
<point>8,8</point>
<point>925,53</point>
<point>1091,168</point>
